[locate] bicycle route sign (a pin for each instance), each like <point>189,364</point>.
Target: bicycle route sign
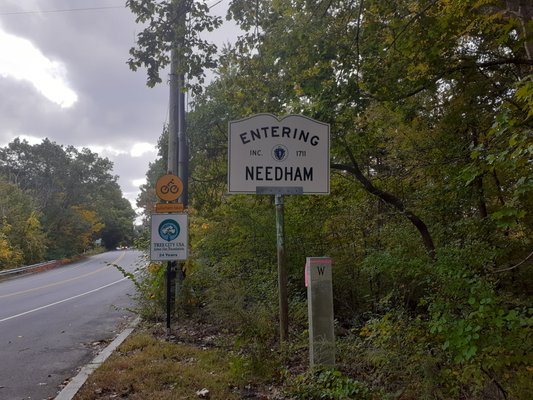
<point>169,237</point>
<point>169,187</point>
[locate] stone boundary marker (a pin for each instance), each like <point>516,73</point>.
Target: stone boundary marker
<point>318,276</point>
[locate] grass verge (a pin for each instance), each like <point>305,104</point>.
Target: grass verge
<point>150,366</point>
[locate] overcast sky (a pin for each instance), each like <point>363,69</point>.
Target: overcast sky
<point>63,75</point>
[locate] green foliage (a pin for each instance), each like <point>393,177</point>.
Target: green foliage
<point>394,351</point>
<point>234,278</point>
<point>251,366</point>
<point>506,153</point>
<point>463,338</point>
<point>59,200</point>
<point>147,196</point>
<point>22,240</point>
<point>485,336</point>
<point>330,384</point>
<point>429,218</point>
<point>149,279</point>
<point>10,256</point>
<point>163,32</point>
<point>150,296</point>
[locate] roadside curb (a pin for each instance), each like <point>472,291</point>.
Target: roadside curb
<point>77,382</point>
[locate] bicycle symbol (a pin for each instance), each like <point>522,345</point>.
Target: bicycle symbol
<point>170,187</point>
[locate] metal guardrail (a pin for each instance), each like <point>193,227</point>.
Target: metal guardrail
<point>26,268</point>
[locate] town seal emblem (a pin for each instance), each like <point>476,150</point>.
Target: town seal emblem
<point>280,152</point>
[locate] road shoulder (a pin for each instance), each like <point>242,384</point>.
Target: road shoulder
<point>69,391</point>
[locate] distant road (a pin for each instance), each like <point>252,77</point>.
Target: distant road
<point>53,322</point>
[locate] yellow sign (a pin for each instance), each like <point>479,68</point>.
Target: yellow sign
<point>168,207</point>
<point>169,187</point>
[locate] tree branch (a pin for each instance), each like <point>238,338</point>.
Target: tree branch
<point>387,198</point>
<point>463,67</point>
<point>412,20</point>
<point>514,266</point>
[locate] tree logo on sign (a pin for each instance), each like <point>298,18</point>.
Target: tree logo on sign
<point>169,230</point>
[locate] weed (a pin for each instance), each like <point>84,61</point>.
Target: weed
<point>145,367</point>
<point>327,383</point>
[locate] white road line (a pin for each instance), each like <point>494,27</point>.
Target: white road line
<point>54,284</point>
<point>62,301</point>
<point>67,280</point>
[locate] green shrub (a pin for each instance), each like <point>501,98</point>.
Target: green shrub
<point>326,383</point>
<point>486,337</point>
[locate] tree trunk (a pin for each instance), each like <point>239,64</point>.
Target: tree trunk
<point>523,10</point>
<point>480,195</point>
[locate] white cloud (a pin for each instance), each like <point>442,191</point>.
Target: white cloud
<point>21,60</point>
<point>138,182</point>
<point>104,151</point>
<point>31,139</point>
<point>138,149</point>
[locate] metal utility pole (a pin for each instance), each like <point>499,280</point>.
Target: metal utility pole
<point>183,150</point>
<point>282,271</point>
<point>173,118</point>
<point>172,164</point>
<point>178,155</point>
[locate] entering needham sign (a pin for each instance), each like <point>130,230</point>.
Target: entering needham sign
<point>265,152</point>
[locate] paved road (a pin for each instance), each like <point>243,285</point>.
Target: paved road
<point>53,322</point>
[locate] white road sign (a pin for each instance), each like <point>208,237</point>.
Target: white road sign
<point>264,151</point>
<point>169,237</point>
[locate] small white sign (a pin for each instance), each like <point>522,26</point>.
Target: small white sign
<point>169,237</point>
<point>264,151</point>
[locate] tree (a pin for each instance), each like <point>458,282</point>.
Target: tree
<point>164,33</point>
<point>341,61</point>
<point>147,197</point>
<point>429,218</point>
<point>75,194</point>
<point>118,220</point>
<point>22,237</point>
<point>10,256</point>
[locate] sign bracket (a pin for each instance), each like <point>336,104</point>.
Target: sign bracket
<point>279,190</point>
